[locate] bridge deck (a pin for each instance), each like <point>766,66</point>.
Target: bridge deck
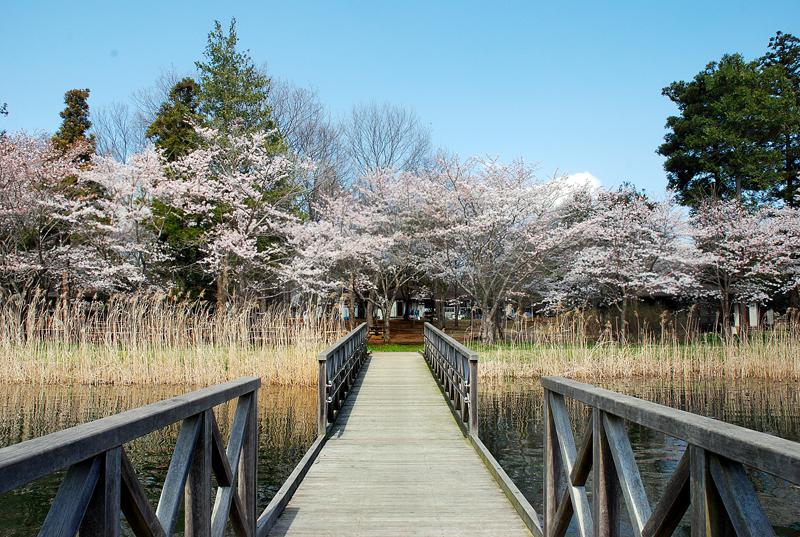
<point>397,464</point>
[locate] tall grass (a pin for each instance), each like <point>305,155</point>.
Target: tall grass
<point>566,346</point>
<point>157,340</point>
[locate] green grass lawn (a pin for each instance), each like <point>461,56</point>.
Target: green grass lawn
<point>395,347</point>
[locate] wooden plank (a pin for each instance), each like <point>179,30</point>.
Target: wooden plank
<point>566,444</point>
<point>552,469</point>
<point>197,511</point>
<point>64,448</point>
<point>674,502</point>
<point>562,518</point>
<point>72,499</point>
<point>583,458</point>
<point>219,461</point>
<point>708,516</point>
<point>224,497</point>
<point>247,465</point>
<point>396,463</point>
<point>172,492</point>
<point>739,498</point>
<point>605,487</point>
<point>102,516</point>
<point>777,456</point>
<point>630,482</point>
<point>137,509</point>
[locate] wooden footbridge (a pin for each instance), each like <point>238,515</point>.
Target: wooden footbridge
<point>398,454</point>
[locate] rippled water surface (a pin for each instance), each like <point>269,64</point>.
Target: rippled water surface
<point>511,427</point>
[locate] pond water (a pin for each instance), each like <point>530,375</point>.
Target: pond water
<point>511,427</point>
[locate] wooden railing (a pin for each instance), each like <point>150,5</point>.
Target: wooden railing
<point>456,369</point>
<point>101,483</point>
<point>710,480</point>
<point>339,365</point>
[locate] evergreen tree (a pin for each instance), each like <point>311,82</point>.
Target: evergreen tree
<point>233,92</point>
<point>782,64</point>
<point>721,143</point>
<point>172,131</point>
<point>75,125</point>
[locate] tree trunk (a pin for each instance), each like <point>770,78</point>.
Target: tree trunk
<point>726,316</point>
<point>369,314</point>
<point>488,323</point>
<point>222,286</point>
<point>352,302</point>
<point>387,312</point>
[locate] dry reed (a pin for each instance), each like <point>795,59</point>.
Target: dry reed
<point>564,347</point>
<point>156,340</point>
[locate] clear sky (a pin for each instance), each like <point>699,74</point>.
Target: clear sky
<point>573,86</point>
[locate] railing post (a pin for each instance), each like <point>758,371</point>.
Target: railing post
<point>473,394</point>
<point>248,465</point>
<point>197,491</point>
<point>552,467</point>
<point>604,481</point>
<point>708,515</point>
<point>102,516</point>
<point>322,395</point>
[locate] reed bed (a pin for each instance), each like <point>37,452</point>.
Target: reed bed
<point>157,340</point>
<point>565,347</point>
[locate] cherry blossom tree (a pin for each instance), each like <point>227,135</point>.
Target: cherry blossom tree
<point>746,254</point>
<point>239,194</point>
<point>624,247</point>
<point>366,239</point>
<point>491,228</point>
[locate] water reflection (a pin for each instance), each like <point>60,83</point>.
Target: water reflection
<point>511,427</point>
<point>286,429</point>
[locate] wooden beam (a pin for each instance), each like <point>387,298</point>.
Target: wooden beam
<point>630,482</point>
<point>674,502</point>
<point>102,516</point>
<point>72,499</point>
<point>172,492</point>
<point>739,498</point>
<point>605,486</point>
<point>137,509</point>
<point>583,459</point>
<point>197,491</point>
<point>771,454</point>
<point>219,461</point>
<point>566,443</point>
<point>38,457</point>
<point>224,497</point>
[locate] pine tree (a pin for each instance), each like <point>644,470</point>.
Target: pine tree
<point>75,125</point>
<point>173,130</point>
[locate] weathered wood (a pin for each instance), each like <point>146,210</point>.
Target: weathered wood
<point>219,461</point>
<point>583,459</point>
<point>172,493</point>
<point>197,513</point>
<point>739,498</point>
<point>69,446</point>
<point>552,469</point>
<point>771,454</point>
<point>674,502</point>
<point>473,395</point>
<point>560,523</point>
<point>708,516</point>
<point>322,396</point>
<point>630,482</point>
<point>137,510</point>
<point>102,516</point>
<point>336,365</point>
<point>605,488</point>
<point>396,463</point>
<point>72,499</point>
<point>566,444</point>
<point>224,497</point>
<point>247,465</point>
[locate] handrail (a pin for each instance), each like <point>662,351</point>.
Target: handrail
<point>710,478</point>
<point>100,480</point>
<point>456,368</point>
<point>339,365</point>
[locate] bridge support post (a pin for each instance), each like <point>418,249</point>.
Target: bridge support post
<point>322,395</point>
<point>473,394</point>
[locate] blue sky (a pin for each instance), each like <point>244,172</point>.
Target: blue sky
<point>573,86</point>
